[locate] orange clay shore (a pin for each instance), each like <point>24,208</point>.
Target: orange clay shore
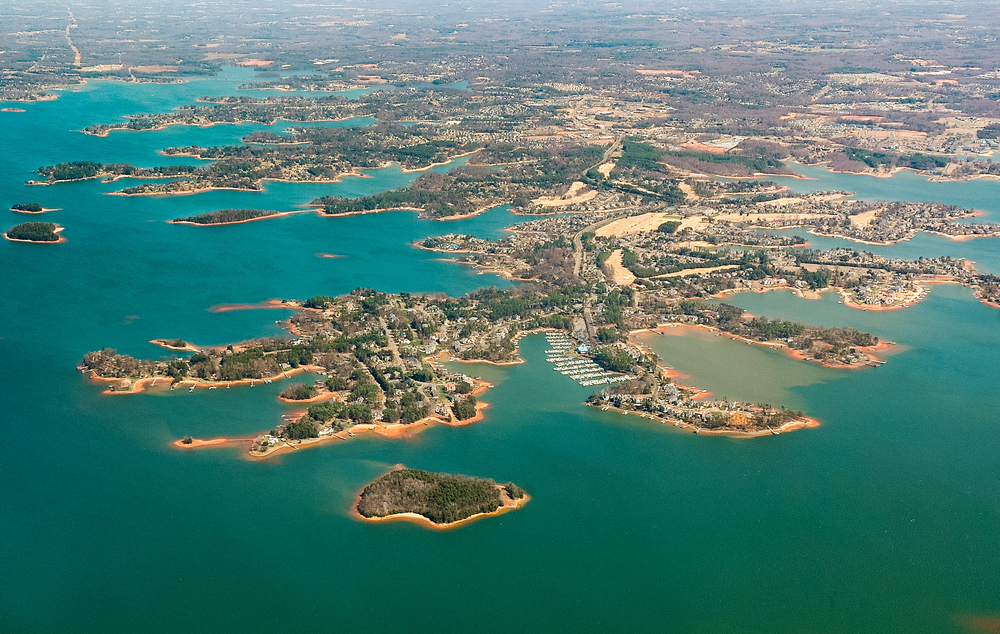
<point>212,442</point>
<point>141,385</point>
<point>164,126</point>
<point>802,423</point>
<point>325,396</point>
<point>427,167</point>
<point>817,294</point>
<point>393,430</point>
<point>57,230</point>
<point>280,214</point>
<point>269,304</point>
<point>59,241</point>
<point>509,504</point>
<point>44,210</point>
<point>882,345</point>
<point>165,343</point>
<point>446,357</point>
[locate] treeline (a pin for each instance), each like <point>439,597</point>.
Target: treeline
<point>30,207</point>
<point>730,319</point>
<point>440,497</point>
<point>224,216</point>
<point>614,360</point>
<point>70,171</point>
<point>77,170</point>
<point>725,164</point>
<point>336,205</point>
<point>34,231</point>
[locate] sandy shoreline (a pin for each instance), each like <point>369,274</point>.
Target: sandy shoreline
<point>815,294</point>
<point>57,230</point>
<point>802,423</point>
<point>165,343</point>
<point>44,210</point>
<point>795,354</point>
<point>266,305</point>
<point>212,442</point>
<point>238,222</point>
<point>446,162</point>
<point>508,504</point>
<point>144,383</point>
<point>59,241</point>
<point>794,425</point>
<point>164,126</point>
<point>385,430</point>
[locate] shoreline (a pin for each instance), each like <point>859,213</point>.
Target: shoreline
<point>212,442</point>
<point>793,425</point>
<point>237,222</point>
<point>452,359</point>
<point>508,504</point>
<point>56,230</point>
<point>140,385</point>
<point>805,422</point>
<point>165,343</point>
<point>44,210</point>
<point>795,354</point>
<point>163,126</point>
<point>59,241</point>
<point>385,430</point>
<point>411,170</point>
<point>265,305</point>
<point>816,294</point>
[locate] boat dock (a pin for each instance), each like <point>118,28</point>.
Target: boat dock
<point>581,369</point>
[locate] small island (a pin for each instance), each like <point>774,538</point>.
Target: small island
<point>44,232</point>
<point>29,208</point>
<point>230,216</point>
<point>438,500</point>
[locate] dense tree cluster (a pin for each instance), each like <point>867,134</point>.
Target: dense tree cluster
<point>223,216</point>
<point>442,498</point>
<point>34,231</point>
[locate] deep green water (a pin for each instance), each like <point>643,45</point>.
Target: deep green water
<point>883,519</point>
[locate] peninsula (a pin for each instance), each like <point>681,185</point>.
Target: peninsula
<point>437,500</point>
<point>231,217</point>
<point>376,357</point>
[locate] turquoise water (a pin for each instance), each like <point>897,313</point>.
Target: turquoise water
<point>882,519</point>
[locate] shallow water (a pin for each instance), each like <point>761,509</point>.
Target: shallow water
<point>882,519</point>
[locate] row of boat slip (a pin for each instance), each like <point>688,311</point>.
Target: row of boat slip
<point>601,381</point>
<point>570,363</point>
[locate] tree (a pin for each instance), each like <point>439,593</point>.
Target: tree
<point>302,428</point>
<point>34,231</point>
<point>465,408</point>
<point>298,392</point>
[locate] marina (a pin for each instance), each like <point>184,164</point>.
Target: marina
<point>566,361</point>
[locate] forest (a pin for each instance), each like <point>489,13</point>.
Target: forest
<point>224,216</point>
<point>440,497</point>
<point>34,232</point>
